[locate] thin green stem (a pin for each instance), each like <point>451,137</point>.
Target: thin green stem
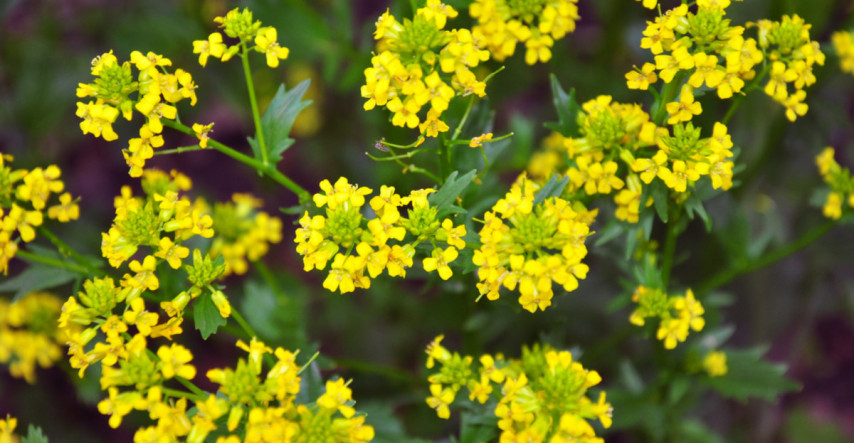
<point>308,363</point>
<point>256,117</point>
<point>269,170</point>
<point>73,267</point>
<point>413,168</point>
<point>238,317</point>
<point>669,246</point>
<point>181,394</point>
<point>668,93</point>
<point>463,120</point>
<point>373,368</point>
<point>180,149</point>
<point>67,250</point>
<point>724,276</point>
<point>191,386</point>
<point>736,102</point>
<point>409,154</point>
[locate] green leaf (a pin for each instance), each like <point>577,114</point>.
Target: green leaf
<point>35,278</point>
<point>276,317</point>
<point>693,205</point>
<point>630,377</point>
<point>660,195</point>
<point>292,210</point>
<point>478,428</point>
<point>34,435</point>
<point>311,384</point>
<point>443,199</point>
<point>206,316</point>
<point>551,189</point>
<point>750,376</point>
<point>278,120</point>
<point>694,431</point>
<point>612,230</point>
<point>567,110</point>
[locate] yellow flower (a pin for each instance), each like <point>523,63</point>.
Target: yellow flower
<point>439,262</point>
<point>480,140</point>
<point>440,400</point>
<point>175,360</point>
<point>202,133</point>
<point>265,43</point>
<point>213,46</point>
<point>715,363</point>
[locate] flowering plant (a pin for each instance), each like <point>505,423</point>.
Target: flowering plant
<point>581,287</point>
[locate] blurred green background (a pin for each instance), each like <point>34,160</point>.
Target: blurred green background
<point>802,306</point>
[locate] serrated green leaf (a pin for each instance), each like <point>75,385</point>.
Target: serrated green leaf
<point>206,316</point>
<point>551,189</point>
<point>443,199</point>
<point>567,109</point>
<point>278,119</point>
<point>34,435</point>
<point>748,375</point>
<point>693,205</point>
<point>35,278</point>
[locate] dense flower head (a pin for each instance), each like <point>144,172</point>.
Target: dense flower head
<point>840,198</point>
<point>143,84</point>
<point>420,67</point>
<point>361,248</point>
<point>26,197</point>
<point>244,233</point>
<point>28,334</point>
<point>265,403</point>
<point>677,314</point>
<point>792,56</point>
<point>251,35</point>
<point>843,43</point>
<point>503,24</point>
<point>714,363</point>
<point>542,394</point>
<point>532,246</point>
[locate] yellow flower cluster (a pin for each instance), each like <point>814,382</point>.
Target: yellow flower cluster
<point>787,46</point>
<point>678,314</point>
<point>265,406</point>
<point>843,43</point>
<point>28,335</point>
<point>532,246</point>
<point>536,23</point>
<point>702,44</point>
<point>7,430</point>
<point>684,157</point>
<point>542,397</point>
<point>840,181</point>
<point>24,198</point>
<point>367,244</point>
<point>242,232</point>
<point>619,148</point>
<point>156,92</point>
<point>240,25</point>
<point>419,63</point>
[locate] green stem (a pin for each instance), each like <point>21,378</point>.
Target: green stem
<point>668,93</point>
<point>181,394</point>
<point>409,154</point>
<point>463,120</point>
<point>373,368</point>
<point>256,117</point>
<point>736,102</point>
<point>412,167</point>
<point>29,256</point>
<point>191,386</point>
<point>444,159</point>
<point>242,322</point>
<point>180,150</point>
<point>68,251</point>
<point>724,276</point>
<point>269,170</point>
<point>669,246</point>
